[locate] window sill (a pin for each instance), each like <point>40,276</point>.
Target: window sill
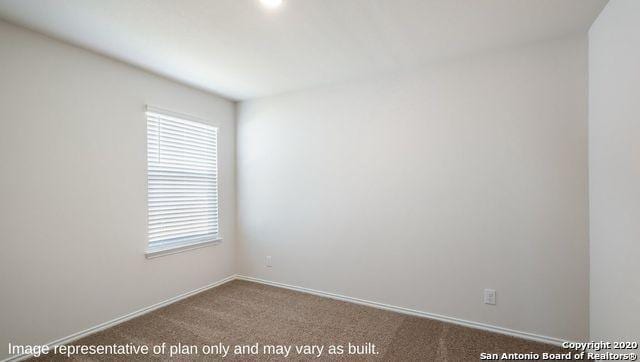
<point>174,249</point>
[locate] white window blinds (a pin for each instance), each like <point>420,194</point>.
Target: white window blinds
<point>182,181</point>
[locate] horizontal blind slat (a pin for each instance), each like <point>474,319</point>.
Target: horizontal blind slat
<point>162,210</point>
<point>180,217</point>
<point>158,117</point>
<point>168,142</point>
<point>181,135</point>
<point>184,153</point>
<point>181,233</point>
<point>171,176</point>
<point>184,171</point>
<point>175,226</point>
<point>209,203</point>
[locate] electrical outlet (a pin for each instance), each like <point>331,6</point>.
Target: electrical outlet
<point>490,296</point>
<point>268,261</point>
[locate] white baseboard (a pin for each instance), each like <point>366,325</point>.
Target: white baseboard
<point>124,318</point>
<point>442,318</point>
<point>462,322</point>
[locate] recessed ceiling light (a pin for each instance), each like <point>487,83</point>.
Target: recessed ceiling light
<point>271,4</point>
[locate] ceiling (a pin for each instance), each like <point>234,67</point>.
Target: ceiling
<point>242,50</point>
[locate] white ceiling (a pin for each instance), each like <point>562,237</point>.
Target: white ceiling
<point>242,50</point>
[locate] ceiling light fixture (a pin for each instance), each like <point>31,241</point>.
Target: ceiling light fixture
<point>271,4</point>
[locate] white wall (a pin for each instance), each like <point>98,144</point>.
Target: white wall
<point>416,189</point>
<point>614,171</point>
<point>73,184</point>
<point>422,188</point>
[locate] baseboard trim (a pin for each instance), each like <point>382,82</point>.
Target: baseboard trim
<point>124,318</point>
<point>413,312</point>
<point>402,310</point>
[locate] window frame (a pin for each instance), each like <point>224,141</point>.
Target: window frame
<point>194,242</point>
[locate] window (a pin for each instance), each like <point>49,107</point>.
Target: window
<point>182,173</point>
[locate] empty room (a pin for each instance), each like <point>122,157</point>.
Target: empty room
<point>393,180</point>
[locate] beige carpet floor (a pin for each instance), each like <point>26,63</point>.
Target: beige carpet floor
<point>246,313</point>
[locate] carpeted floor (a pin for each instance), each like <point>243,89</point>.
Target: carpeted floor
<point>245,313</point>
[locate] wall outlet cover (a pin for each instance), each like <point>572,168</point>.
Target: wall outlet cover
<point>489,296</point>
